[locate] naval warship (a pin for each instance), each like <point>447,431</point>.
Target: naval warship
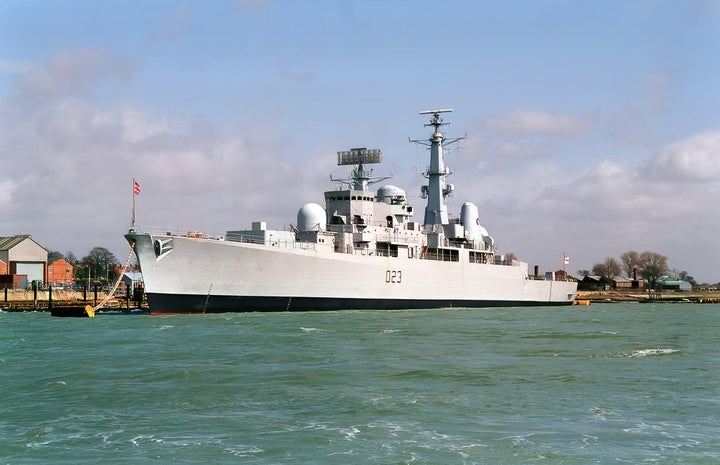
<point>362,251</point>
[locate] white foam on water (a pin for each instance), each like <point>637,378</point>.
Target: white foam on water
<point>601,412</point>
<point>651,352</point>
<point>349,434</point>
<point>519,440</point>
<point>315,330</point>
<point>589,440</point>
<point>137,439</point>
<point>244,451</point>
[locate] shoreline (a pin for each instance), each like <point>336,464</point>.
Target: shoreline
<point>645,296</point>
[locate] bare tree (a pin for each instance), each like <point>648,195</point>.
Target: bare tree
<point>54,256</point>
<point>101,263</point>
<point>652,266</point>
<point>71,258</point>
<point>630,260</point>
<point>608,269</point>
<point>684,276</point>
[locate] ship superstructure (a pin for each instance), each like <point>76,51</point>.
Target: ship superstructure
<point>363,250</point>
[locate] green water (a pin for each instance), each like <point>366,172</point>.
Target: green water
<point>613,383</point>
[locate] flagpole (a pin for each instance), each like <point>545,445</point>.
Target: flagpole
<point>132,192</point>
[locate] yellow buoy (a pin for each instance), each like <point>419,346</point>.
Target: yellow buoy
<point>90,311</point>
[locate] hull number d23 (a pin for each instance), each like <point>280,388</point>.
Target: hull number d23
<point>393,276</point>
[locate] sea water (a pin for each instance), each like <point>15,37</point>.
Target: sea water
<point>609,383</point>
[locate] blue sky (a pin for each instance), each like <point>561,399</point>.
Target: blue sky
<point>593,128</point>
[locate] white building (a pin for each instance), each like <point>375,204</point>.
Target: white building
<point>24,256</point>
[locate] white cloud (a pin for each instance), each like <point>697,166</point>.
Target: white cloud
<point>13,67</point>
<point>528,122</point>
<point>70,75</point>
<point>138,126</point>
<point>69,184</point>
<point>7,188</point>
<point>666,203</point>
<point>693,159</point>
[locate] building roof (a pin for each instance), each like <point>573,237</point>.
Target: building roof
<point>670,281</point>
<point>8,242</point>
<point>134,276</point>
<point>61,261</point>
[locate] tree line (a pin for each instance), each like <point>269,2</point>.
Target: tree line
<point>650,266</point>
<point>99,264</point>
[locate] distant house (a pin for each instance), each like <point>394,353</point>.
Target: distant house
<point>666,282</point>
<point>60,272</point>
<point>24,256</point>
<point>622,283</point>
<point>594,283</point>
<point>601,283</point>
<point>562,275</point>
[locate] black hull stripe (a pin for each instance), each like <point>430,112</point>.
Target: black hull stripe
<point>173,303</point>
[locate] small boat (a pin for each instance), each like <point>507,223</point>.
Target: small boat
<point>77,311</point>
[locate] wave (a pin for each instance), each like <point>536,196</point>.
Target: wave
<point>649,353</point>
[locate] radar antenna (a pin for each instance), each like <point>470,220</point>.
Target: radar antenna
<point>360,178</point>
<point>437,120</point>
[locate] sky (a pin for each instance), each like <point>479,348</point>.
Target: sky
<point>592,128</point>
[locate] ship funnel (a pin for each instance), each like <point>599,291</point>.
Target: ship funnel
<point>311,217</point>
<point>470,219</point>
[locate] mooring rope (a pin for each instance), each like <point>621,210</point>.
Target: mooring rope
<point>117,283</point>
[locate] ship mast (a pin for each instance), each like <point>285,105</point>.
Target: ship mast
<point>437,189</point>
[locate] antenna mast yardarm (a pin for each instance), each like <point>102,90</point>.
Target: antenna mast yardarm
<point>437,189</point>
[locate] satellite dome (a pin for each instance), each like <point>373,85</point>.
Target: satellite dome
<point>390,194</point>
<point>311,217</point>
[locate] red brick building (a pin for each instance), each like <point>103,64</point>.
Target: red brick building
<point>60,272</point>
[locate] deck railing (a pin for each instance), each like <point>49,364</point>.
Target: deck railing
<point>440,254</point>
